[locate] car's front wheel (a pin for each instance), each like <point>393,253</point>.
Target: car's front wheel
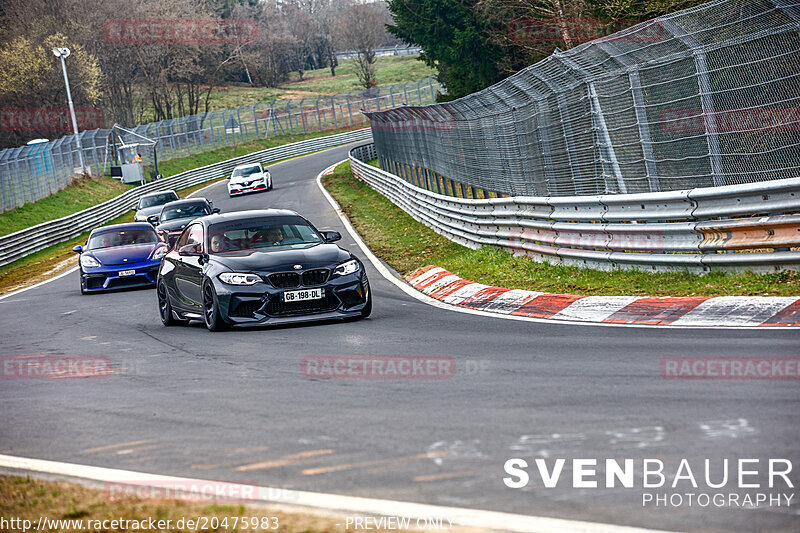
<point>367,308</point>
<point>165,307</point>
<point>211,313</point>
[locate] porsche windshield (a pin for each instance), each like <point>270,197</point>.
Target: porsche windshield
<point>110,239</point>
<point>183,211</point>
<point>246,171</point>
<point>157,199</point>
<point>261,233</point>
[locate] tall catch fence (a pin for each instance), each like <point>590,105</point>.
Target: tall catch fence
<point>704,97</point>
<point>29,173</point>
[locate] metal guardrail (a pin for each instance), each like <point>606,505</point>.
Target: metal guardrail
<point>700,229</point>
<point>21,243</point>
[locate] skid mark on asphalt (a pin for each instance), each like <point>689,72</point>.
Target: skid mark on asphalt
<point>129,451</point>
<point>165,343</point>
<point>443,476</point>
<point>287,460</point>
<point>392,461</point>
<point>110,447</point>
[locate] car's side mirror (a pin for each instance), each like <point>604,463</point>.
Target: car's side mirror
<point>153,219</point>
<point>331,236</point>
<point>78,249</point>
<point>215,210</point>
<point>190,249</point>
<point>135,208</point>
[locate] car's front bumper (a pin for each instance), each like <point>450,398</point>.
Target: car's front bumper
<point>260,304</point>
<point>106,278</point>
<point>253,187</point>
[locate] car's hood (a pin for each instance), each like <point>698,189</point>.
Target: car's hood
<point>247,179</point>
<point>281,259</point>
<point>142,214</point>
<point>123,255</point>
<point>176,224</point>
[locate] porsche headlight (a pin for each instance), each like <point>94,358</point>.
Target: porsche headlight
<point>87,261</point>
<point>158,253</point>
<point>239,278</point>
<point>348,267</point>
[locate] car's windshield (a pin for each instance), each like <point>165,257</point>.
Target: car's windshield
<point>110,239</point>
<point>246,171</point>
<point>261,233</point>
<point>184,210</point>
<point>157,199</point>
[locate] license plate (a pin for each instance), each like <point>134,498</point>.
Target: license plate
<point>123,273</point>
<point>299,296</point>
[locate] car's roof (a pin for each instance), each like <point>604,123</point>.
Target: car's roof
<point>244,215</point>
<point>126,226</point>
<point>183,201</point>
<point>246,165</point>
<point>166,191</point>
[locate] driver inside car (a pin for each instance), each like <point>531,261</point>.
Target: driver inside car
<point>274,236</point>
<point>217,243</point>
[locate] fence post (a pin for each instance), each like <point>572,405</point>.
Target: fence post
<point>255,121</point>
<point>706,101</point>
<point>639,109</point>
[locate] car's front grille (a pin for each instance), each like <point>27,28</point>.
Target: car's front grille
<point>278,308</point>
<point>129,281</point>
<point>245,308</point>
<point>95,282</point>
<point>285,280</point>
<point>317,276</point>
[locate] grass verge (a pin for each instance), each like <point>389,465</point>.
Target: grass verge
<point>24,498</point>
<point>407,245</point>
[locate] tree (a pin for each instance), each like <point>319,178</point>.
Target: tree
<point>454,41</point>
<point>475,43</point>
<point>32,78</point>
<point>362,28</point>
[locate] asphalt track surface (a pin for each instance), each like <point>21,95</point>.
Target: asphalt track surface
<point>235,406</point>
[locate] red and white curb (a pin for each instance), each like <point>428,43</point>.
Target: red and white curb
<point>739,311</point>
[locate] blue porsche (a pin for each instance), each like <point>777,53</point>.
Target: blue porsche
<point>119,257</point>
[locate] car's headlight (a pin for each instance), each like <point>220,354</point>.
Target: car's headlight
<point>158,253</point>
<point>87,261</point>
<point>346,268</point>
<point>239,278</point>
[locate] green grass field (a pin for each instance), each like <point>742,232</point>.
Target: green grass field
<point>407,245</point>
<point>390,70</point>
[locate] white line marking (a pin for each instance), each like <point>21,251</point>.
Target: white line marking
<point>335,502</point>
<point>414,293</point>
<point>10,294</point>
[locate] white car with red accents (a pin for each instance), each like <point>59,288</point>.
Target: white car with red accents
<point>251,177</point>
